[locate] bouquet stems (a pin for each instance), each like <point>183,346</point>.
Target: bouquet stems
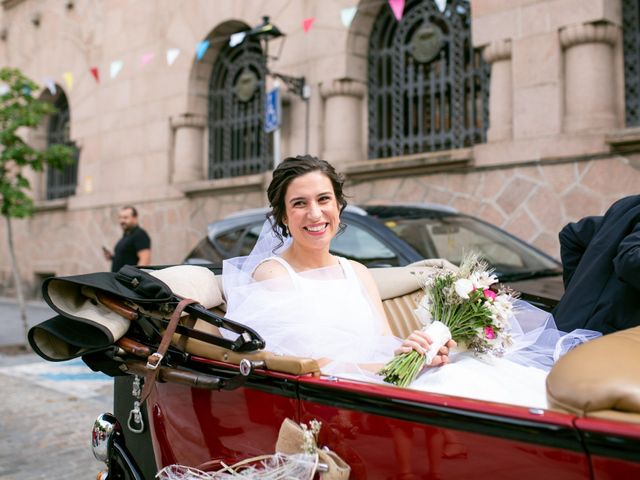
<point>403,369</point>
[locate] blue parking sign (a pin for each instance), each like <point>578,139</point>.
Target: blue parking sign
<point>272,115</point>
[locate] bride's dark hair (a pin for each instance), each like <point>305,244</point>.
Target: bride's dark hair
<point>290,169</point>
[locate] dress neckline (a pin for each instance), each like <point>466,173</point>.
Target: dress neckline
<point>342,262</point>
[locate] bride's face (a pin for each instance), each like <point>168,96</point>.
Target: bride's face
<point>312,213</point>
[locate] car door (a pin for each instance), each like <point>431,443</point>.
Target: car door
<point>389,432</point>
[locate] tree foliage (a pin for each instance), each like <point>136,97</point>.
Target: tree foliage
<point>20,110</point>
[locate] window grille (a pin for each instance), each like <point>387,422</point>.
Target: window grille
<point>61,183</point>
<point>238,144</point>
<point>428,86</point>
<point>631,46</point>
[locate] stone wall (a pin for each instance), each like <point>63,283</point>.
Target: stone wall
<point>549,158</point>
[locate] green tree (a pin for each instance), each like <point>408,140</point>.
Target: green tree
<point>20,111</point>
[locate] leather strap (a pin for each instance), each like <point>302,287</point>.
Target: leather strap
<point>153,360</point>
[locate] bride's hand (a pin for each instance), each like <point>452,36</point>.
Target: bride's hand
<point>420,342</point>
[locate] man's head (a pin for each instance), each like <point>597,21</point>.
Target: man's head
<point>128,217</point>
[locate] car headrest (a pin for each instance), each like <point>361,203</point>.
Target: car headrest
<point>603,374</point>
<point>192,281</point>
<point>397,281</point>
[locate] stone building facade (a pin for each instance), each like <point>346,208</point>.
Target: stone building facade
<point>533,127</point>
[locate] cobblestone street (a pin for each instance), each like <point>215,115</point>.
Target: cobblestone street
<point>46,414</point>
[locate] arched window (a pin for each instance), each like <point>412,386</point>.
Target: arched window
<point>428,86</point>
<point>631,45</point>
<point>238,144</point>
<point>61,183</point>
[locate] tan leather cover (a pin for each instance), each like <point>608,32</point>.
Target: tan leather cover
<point>597,376</point>
<point>279,363</point>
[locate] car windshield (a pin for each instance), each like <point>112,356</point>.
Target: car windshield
<point>451,236</point>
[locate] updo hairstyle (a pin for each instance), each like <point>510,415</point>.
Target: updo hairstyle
<point>290,169</point>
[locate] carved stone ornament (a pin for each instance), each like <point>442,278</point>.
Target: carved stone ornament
<point>426,43</point>
<point>246,85</point>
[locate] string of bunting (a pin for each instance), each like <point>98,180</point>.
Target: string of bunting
<point>171,55</point>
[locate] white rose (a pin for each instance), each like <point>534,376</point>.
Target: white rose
<point>463,287</point>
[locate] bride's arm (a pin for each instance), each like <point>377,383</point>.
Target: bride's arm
<point>371,288</point>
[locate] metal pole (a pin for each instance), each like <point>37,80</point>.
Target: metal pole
<point>276,147</point>
<point>276,132</point>
<point>306,126</point>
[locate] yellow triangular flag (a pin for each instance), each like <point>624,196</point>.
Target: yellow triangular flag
<point>68,80</point>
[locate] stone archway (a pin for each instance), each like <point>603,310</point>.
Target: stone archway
<point>190,145</point>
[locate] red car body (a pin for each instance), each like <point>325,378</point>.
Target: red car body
<point>386,432</point>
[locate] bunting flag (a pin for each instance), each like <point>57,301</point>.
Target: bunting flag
<point>201,49</point>
<point>236,38</point>
<point>441,4</point>
<point>347,15</point>
<point>306,23</point>
<point>172,54</point>
<point>4,88</point>
<point>146,58</point>
<point>68,80</point>
<point>397,7</point>
<point>50,85</point>
<point>115,67</point>
<point>96,73</point>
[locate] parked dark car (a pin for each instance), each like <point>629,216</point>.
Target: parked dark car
<point>398,235</point>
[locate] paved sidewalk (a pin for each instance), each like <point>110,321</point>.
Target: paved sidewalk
<point>47,409</point>
<point>12,332</point>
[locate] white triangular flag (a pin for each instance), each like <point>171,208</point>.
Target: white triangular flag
<point>115,67</point>
<point>172,54</point>
<point>51,85</point>
<point>442,4</point>
<point>347,14</point>
<point>4,88</point>
<point>236,39</point>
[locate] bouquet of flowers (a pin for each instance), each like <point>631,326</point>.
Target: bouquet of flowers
<point>461,306</point>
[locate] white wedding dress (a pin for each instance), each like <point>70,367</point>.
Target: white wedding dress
<point>325,314</point>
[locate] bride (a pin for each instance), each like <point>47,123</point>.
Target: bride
<point>307,302</point>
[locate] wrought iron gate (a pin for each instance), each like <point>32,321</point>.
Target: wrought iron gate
<point>238,144</point>
<point>428,87</point>
<point>631,42</point>
<point>61,183</point>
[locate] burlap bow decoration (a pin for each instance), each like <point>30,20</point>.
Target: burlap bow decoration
<point>294,438</point>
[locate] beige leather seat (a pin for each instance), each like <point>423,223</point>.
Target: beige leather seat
<point>600,378</point>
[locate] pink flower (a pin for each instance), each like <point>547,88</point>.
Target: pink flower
<point>490,294</point>
<point>489,333</point>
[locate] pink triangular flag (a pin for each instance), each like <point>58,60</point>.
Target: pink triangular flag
<point>306,23</point>
<point>146,58</point>
<point>397,7</point>
<point>96,74</point>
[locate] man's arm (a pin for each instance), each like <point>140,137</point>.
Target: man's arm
<point>144,257</point>
<point>142,243</point>
<point>574,240</point>
<point>627,262</point>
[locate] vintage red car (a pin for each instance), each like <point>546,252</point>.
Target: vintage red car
<point>214,403</point>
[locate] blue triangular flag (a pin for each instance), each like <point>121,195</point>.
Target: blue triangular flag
<point>201,49</point>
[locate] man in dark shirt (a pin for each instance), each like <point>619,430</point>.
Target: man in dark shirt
<point>601,270</point>
<point>134,248</point>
